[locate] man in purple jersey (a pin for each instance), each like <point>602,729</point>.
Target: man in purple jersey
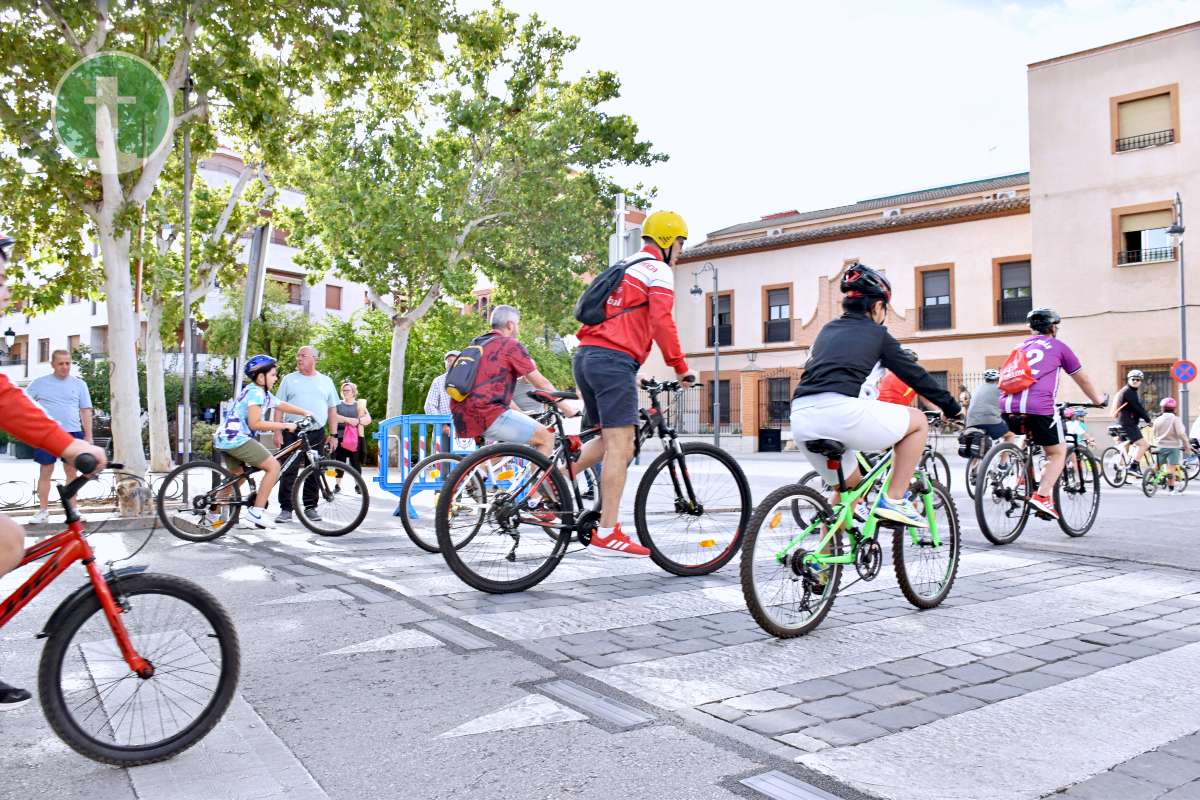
<point>1031,412</point>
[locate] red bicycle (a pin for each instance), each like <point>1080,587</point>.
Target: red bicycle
<point>137,666</point>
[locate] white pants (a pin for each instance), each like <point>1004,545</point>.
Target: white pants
<point>857,423</point>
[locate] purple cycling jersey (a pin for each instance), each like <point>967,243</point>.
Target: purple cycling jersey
<point>1046,356</point>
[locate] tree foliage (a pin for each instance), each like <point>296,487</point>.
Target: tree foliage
<point>279,330</point>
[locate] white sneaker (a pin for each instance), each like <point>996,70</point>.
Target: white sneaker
<point>255,518</point>
<point>40,518</point>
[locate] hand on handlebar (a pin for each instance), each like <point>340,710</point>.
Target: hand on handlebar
<point>688,378</point>
<point>78,448</point>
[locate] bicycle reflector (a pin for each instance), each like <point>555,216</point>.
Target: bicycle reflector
<point>776,519</point>
<point>708,542</point>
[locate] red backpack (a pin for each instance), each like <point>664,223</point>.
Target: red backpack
<point>1015,374</point>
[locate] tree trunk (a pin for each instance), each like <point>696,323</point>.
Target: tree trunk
<point>156,398</point>
<point>122,353</point>
<point>401,327</point>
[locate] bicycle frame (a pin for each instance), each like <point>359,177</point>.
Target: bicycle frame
<point>292,451</point>
<point>64,550</point>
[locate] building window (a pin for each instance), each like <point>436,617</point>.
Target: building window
<point>293,291</point>
<point>777,325</point>
<point>1013,286</point>
<point>723,328</point>
<point>778,400</point>
<point>707,409</point>
<point>935,287</point>
<point>93,308</point>
<point>941,378</point>
<point>1145,119</point>
<point>333,297</point>
<point>483,307</point>
<point>1140,234</point>
<point>43,350</point>
<point>73,344</point>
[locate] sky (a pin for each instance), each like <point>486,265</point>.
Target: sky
<point>770,105</point>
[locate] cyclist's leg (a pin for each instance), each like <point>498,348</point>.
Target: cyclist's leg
<point>519,428</point>
<point>592,452</point>
<point>906,453</point>
<point>271,468</point>
<point>618,452</point>
<point>253,453</point>
<point>12,545</point>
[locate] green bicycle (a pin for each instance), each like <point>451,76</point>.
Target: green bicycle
<point>1155,479</point>
<point>796,547</point>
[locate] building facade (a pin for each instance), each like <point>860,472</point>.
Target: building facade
<point>1084,232</point>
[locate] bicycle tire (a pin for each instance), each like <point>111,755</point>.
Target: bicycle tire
<point>1112,467</point>
<point>1149,486</point>
<point>935,465</point>
<point>1191,469</point>
<point>661,551</point>
<point>168,516</point>
<point>422,467</point>
<point>950,536</point>
<point>770,513</point>
<point>972,472</point>
<point>1002,493</point>
<point>1075,479</point>
<point>61,643</point>
<point>459,555</point>
<point>338,513</point>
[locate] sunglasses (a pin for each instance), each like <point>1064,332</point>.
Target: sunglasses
<point>1135,380</point>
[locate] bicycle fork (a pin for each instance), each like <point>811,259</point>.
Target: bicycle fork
<point>112,611</point>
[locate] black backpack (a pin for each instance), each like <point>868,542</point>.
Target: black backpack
<point>460,380</point>
<point>592,306</point>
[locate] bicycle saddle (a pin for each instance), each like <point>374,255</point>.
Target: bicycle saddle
<point>542,396</point>
<point>826,447</point>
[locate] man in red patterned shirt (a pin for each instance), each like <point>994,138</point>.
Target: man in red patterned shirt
<point>22,418</point>
<point>640,312</point>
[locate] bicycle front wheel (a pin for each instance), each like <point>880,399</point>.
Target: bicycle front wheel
<point>1001,493</point>
<point>1112,463</point>
<point>326,504</point>
<point>493,518</point>
<point>199,501</point>
<point>1077,492</point>
<point>686,538</point>
<point>419,495</point>
<point>935,465</point>
<point>105,711</point>
<point>926,571</point>
<point>787,594</point>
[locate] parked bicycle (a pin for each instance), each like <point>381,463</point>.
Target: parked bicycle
<point>1009,475</point>
<point>796,546</point>
<point>201,500</point>
<point>137,666</point>
<point>510,512</point>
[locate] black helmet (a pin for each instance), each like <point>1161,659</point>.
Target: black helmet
<point>859,280</point>
<point>1043,319</point>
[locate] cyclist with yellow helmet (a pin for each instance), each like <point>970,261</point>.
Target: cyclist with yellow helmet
<point>639,312</point>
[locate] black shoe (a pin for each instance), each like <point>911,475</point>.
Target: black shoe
<point>11,697</point>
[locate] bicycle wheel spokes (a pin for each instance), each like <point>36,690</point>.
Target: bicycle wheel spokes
<point>782,590</point>
<point>926,571</point>
<point>327,503</point>
<point>204,508</point>
<point>1077,493</point>
<point>1000,498</point>
<point>1113,465</point>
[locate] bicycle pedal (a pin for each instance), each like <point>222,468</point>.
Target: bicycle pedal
<point>1042,515</point>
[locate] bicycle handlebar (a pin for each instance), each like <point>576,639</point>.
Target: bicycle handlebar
<point>654,385</point>
<point>86,464</point>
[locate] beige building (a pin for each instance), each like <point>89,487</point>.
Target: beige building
<point>1083,232</point>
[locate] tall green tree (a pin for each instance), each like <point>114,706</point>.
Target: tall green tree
<point>497,165</point>
<point>279,330</point>
<point>251,59</point>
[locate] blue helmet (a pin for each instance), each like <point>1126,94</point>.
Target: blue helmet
<point>257,364</point>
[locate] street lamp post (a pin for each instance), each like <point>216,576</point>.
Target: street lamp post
<point>1176,232</point>
<point>696,291</point>
<point>185,428</point>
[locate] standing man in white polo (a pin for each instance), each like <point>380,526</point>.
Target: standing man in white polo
<point>67,401</point>
<point>314,392</point>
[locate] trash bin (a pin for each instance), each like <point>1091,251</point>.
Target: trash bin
<point>770,440</point>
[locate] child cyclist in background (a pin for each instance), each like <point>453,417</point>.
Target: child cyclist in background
<point>1172,441</point>
<point>237,437</point>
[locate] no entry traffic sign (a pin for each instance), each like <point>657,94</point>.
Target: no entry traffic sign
<point>1183,371</point>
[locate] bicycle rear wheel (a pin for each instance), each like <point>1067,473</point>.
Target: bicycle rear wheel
<point>1077,492</point>
<point>972,474</point>
<point>692,541</point>
<point>1001,493</point>
<point>935,465</point>
<point>102,709</point>
<point>429,471</point>
<point>924,571</point>
<point>1150,483</point>
<point>784,593</point>
<point>490,534</point>
<point>192,507</point>
<point>332,513</point>
<point>1113,469</point>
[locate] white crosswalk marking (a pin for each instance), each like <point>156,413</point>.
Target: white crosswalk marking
<point>400,640</point>
<point>527,712</point>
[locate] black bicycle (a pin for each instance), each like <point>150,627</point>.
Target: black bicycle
<point>201,500</point>
<point>509,513</point>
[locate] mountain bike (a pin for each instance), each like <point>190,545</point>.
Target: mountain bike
<point>201,500</point>
<point>1155,479</point>
<point>1010,474</point>
<point>510,512</point>
<point>796,546</point>
<point>137,666</point>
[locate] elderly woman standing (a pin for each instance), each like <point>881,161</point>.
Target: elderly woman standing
<point>353,419</point>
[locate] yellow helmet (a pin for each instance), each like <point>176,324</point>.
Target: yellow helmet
<point>664,227</point>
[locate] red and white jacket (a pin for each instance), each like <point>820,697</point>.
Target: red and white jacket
<point>649,281</point>
<point>24,419</point>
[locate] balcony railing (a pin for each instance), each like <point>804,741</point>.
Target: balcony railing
<point>724,335</point>
<point>1145,140</point>
<point>11,361</point>
<point>1125,257</point>
<point>935,317</point>
<point>1013,310</point>
<point>777,330</point>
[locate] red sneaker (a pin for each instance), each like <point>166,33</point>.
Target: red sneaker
<point>618,544</point>
<point>1043,504</point>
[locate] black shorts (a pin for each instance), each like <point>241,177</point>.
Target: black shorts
<point>1132,432</point>
<point>1043,430</point>
<point>607,383</point>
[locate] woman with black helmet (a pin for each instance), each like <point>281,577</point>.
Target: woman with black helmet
<point>827,402</point>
